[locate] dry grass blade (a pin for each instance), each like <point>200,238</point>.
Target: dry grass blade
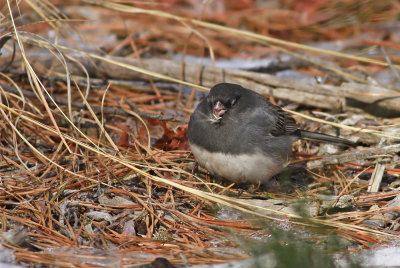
<point>32,76</point>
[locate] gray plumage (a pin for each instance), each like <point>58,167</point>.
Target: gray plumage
<point>237,134</point>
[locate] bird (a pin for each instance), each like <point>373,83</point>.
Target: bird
<point>237,134</point>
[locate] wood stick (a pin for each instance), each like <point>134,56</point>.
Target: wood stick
<point>353,156</point>
<point>371,98</point>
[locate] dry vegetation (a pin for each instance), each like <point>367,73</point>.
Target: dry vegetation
<point>95,166</point>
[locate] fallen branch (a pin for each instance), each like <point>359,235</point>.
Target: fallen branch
<point>353,156</point>
<point>373,99</point>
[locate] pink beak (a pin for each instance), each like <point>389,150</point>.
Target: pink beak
<point>219,109</point>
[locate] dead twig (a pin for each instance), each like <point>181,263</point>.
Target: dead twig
<point>353,156</point>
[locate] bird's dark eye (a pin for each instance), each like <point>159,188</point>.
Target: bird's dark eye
<point>234,100</point>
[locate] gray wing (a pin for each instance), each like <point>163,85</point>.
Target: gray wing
<point>275,121</point>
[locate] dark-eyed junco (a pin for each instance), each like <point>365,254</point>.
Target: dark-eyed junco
<point>239,135</point>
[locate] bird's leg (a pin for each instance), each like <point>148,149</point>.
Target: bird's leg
<point>195,168</point>
<point>240,191</point>
<point>253,187</point>
<point>245,186</point>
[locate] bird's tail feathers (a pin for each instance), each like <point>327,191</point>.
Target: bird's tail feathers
<point>313,136</point>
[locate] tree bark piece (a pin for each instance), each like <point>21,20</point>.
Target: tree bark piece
<point>372,98</point>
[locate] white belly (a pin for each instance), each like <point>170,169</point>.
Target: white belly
<point>238,168</point>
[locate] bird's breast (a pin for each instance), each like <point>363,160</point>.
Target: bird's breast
<point>251,167</point>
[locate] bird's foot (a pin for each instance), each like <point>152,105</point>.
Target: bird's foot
<point>195,168</point>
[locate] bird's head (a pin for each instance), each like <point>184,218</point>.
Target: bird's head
<point>222,99</point>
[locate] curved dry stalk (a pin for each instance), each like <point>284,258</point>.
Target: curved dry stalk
<point>33,77</point>
<point>60,57</point>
